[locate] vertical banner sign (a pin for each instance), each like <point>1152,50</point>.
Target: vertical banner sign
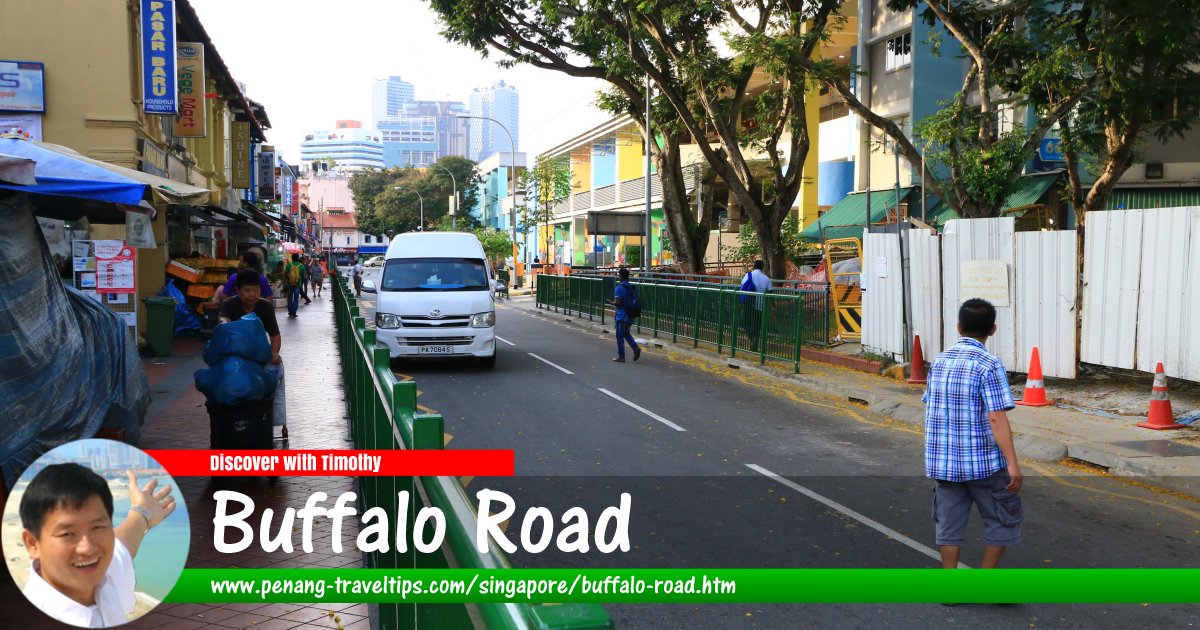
<point>266,172</point>
<point>193,118</point>
<point>285,192</point>
<point>295,196</point>
<point>239,147</point>
<point>158,57</point>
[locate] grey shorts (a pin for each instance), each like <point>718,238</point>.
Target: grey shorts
<point>1001,510</point>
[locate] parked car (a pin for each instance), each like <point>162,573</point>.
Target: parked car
<point>374,261</point>
<point>344,262</point>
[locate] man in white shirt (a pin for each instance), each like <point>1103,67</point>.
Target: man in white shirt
<point>752,308</point>
<point>82,571</point>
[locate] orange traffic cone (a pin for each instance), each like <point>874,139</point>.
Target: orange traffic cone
<point>1035,386</point>
<point>1160,416</point>
<point>917,374</point>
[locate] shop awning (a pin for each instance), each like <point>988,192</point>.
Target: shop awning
<point>16,170</point>
<point>1029,192</point>
<point>846,218</point>
<point>1150,198</point>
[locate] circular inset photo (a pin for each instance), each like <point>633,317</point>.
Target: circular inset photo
<point>95,533</point>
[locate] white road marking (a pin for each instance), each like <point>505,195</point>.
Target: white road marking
<point>875,525</point>
<point>645,411</point>
<point>511,343</point>
<point>558,367</point>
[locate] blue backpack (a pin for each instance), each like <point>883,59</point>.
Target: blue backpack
<point>747,285</point>
<point>634,308</point>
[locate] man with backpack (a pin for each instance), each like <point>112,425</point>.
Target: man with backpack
<point>752,307</point>
<point>628,308</point>
<point>293,276</point>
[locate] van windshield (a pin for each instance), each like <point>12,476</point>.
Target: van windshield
<point>434,274</point>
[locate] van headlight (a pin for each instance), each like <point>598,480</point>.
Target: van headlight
<point>483,320</point>
<point>387,320</point>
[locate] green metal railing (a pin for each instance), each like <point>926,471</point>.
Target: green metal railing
<point>769,326</point>
<point>383,415</point>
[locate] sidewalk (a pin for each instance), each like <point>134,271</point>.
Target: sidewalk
<point>316,420</point>
<point>1167,459</point>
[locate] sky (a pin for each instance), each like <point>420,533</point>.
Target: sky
<point>311,62</point>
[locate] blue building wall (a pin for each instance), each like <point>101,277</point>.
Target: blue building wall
<point>936,78</point>
<point>604,163</point>
<point>835,180</point>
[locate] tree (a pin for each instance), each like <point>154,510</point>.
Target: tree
<point>382,209</point>
<point>547,184</point>
<point>703,92</point>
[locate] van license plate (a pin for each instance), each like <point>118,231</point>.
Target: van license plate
<point>434,350</point>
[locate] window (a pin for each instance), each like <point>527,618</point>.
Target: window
<point>898,52</point>
<point>347,240</point>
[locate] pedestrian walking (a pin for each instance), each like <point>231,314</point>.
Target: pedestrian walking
<point>316,276</point>
<point>627,307</point>
<point>305,274</point>
<point>755,281</point>
<point>969,449</point>
<point>357,274</point>
<point>248,300</point>
<point>292,281</point>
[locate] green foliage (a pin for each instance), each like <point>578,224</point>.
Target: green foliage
<point>382,209</point>
<point>747,249</point>
<point>546,184</point>
<point>633,255</point>
<point>496,244</point>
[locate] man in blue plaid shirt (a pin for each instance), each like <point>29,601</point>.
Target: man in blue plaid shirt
<point>968,442</point>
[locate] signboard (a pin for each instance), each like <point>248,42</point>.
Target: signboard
<point>285,192</point>
<point>28,126</point>
<point>159,94</point>
<point>22,86</point>
<point>193,119</point>
<point>616,223</point>
<point>139,231</point>
<point>1051,150</point>
<point>240,148</point>
<point>114,267</point>
<point>266,172</point>
<point>987,279</point>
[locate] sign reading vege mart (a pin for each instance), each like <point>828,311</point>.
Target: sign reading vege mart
<point>193,118</point>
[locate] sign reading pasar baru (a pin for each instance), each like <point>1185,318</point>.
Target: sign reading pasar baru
<point>158,57</point>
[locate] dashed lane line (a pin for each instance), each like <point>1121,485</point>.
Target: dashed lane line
<point>553,365</point>
<point>643,410</point>
<point>873,524</point>
<point>498,337</point>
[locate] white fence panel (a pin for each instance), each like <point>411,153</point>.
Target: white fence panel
<point>1166,312</point>
<point>978,239</point>
<point>1112,258</point>
<point>925,282</point>
<point>883,297</point>
<point>1045,298</point>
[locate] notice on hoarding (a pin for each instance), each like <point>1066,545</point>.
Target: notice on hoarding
<point>986,279</point>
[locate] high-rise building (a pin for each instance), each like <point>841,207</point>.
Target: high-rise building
<point>498,101</point>
<point>388,96</point>
<point>349,148</point>
<point>423,132</point>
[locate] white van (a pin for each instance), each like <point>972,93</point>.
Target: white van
<point>435,298</point>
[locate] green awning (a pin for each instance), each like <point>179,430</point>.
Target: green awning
<point>846,218</point>
<point>1150,198</point>
<point>1030,190</point>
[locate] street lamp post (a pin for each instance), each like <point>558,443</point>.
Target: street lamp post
<point>512,187</point>
<point>420,199</point>
<point>454,183</point>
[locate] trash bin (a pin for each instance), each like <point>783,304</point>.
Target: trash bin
<point>160,324</point>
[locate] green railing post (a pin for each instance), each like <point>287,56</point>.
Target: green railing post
<point>696,318</point>
<point>674,313</point>
<point>657,306</point>
<point>797,334</point>
<point>762,331</point>
<point>720,319</point>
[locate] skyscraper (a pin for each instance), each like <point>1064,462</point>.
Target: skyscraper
<point>498,101</point>
<point>388,96</point>
<point>350,148</point>
<point>424,132</point>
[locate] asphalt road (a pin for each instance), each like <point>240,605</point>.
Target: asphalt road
<point>736,470</point>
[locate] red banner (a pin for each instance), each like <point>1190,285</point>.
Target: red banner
<point>331,463</point>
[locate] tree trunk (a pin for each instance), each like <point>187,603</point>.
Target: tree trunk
<point>689,233</point>
<point>770,242</point>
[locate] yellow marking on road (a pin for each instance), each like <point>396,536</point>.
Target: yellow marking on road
<point>424,409</point>
<point>1061,480</point>
<point>793,393</point>
<point>465,481</point>
<point>446,437</point>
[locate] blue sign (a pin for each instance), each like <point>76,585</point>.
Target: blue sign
<point>599,249</point>
<point>159,95</point>
<point>1051,150</point>
<point>22,87</point>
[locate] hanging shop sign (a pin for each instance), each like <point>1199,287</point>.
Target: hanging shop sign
<point>159,94</point>
<point>240,148</point>
<point>193,119</point>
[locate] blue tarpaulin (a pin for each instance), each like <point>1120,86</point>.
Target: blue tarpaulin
<point>72,176</point>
